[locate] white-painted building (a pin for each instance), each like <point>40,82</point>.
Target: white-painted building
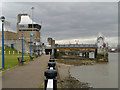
<point>100,40</point>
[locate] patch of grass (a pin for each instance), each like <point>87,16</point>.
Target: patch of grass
<point>11,59</point>
<point>101,56</point>
<point>58,54</point>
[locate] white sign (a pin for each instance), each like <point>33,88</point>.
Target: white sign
<point>91,55</point>
<point>80,54</point>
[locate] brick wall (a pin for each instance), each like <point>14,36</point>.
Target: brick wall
<point>9,35</point>
<point>27,34</point>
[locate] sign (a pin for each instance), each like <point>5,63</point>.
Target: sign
<point>91,55</point>
<point>80,54</point>
<point>32,34</point>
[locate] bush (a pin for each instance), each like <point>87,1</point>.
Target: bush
<point>58,54</point>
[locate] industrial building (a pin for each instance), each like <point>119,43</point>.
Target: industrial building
<point>9,33</point>
<point>25,25</point>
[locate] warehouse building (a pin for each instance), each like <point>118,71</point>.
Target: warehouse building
<point>9,33</point>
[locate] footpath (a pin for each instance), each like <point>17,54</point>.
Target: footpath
<point>30,75</point>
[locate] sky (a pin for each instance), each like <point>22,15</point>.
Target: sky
<point>67,22</point>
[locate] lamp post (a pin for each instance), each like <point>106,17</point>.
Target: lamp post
<point>22,46</point>
<point>35,47</point>
<point>31,32</point>
<point>3,19</point>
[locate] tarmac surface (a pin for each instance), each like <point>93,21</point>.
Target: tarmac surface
<point>30,75</point>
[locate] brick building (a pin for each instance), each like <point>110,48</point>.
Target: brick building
<point>9,34</point>
<point>26,25</point>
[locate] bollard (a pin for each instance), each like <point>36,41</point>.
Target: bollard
<point>51,75</point>
<point>9,52</point>
<point>18,52</point>
<point>51,60</point>
<point>51,64</point>
<point>13,52</point>
<point>27,52</point>
<point>52,56</point>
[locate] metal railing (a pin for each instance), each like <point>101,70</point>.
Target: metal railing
<point>51,74</point>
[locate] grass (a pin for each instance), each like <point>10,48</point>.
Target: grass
<point>11,59</point>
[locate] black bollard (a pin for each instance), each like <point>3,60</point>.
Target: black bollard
<point>52,56</point>
<point>51,64</point>
<point>51,60</point>
<point>51,74</point>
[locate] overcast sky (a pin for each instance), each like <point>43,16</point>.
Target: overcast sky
<point>67,22</point>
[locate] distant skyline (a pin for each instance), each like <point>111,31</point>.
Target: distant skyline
<point>67,22</point>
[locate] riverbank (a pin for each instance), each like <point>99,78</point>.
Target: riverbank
<point>76,62</point>
<point>64,78</point>
<point>106,71</point>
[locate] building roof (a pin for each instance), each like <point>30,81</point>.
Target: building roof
<point>25,19</point>
<point>7,27</point>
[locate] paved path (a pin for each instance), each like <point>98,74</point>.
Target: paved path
<point>30,75</point>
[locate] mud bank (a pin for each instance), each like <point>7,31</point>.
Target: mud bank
<point>65,80</point>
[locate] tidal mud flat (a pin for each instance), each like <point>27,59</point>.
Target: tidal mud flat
<point>64,78</point>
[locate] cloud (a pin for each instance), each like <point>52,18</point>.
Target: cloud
<point>67,21</point>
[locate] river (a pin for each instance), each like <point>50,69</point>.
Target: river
<point>100,75</point>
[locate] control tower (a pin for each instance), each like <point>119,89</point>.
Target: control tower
<point>25,25</point>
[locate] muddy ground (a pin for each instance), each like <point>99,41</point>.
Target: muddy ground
<point>64,78</point>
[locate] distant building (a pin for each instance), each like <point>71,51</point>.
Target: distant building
<point>26,25</point>
<point>50,41</point>
<point>100,40</point>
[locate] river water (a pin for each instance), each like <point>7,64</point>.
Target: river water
<point>100,75</point>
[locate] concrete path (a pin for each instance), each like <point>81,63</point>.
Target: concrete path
<point>30,75</point>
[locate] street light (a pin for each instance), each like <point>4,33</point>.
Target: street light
<point>3,19</point>
<point>22,47</point>
<point>31,34</point>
